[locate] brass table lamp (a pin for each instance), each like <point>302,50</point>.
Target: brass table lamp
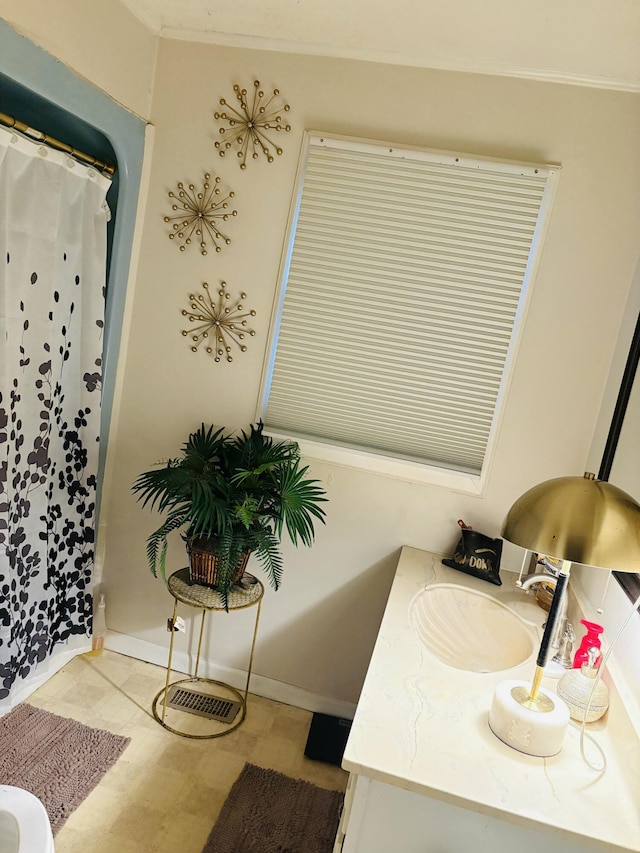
<point>575,520</point>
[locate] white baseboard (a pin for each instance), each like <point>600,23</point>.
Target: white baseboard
<point>260,685</point>
<point>44,671</point>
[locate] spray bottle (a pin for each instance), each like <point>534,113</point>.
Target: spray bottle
<point>587,700</point>
<point>590,640</point>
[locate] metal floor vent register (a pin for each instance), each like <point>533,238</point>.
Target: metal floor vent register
<point>203,704</point>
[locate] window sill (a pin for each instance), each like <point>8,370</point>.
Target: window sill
<point>388,466</point>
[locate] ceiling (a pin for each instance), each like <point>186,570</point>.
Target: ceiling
<point>583,42</point>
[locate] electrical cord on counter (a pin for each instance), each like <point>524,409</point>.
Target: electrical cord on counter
<point>603,767</point>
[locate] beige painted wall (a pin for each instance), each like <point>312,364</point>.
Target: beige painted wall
<point>102,42</point>
<point>317,631</point>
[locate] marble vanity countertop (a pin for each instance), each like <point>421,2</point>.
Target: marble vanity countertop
<point>422,725</point>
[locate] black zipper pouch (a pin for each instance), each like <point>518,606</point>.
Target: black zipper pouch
<point>477,555</point>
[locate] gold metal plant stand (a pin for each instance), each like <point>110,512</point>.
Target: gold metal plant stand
<point>205,598</point>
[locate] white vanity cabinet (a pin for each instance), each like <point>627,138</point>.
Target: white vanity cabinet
<point>428,776</point>
<point>383,818</point>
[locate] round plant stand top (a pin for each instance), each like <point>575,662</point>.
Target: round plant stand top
<point>185,590</point>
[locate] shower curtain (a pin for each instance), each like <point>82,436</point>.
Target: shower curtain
<point>53,216</point>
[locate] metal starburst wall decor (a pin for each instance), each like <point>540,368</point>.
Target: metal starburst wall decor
<point>197,212</point>
<point>252,125</point>
<point>219,323</point>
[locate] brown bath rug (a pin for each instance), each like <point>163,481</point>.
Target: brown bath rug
<point>268,812</point>
<point>59,760</point>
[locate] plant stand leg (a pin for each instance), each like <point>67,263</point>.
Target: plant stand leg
<point>195,673</point>
<point>253,646</point>
<point>172,628</point>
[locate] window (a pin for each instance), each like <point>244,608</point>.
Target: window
<point>403,279</point>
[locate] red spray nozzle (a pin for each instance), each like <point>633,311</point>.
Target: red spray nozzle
<point>590,639</point>
<point>592,628</point>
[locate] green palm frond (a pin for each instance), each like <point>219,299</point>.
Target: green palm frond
<point>204,444</point>
<point>229,551</point>
<point>162,487</point>
<point>264,545</point>
<point>299,497</point>
<point>246,510</point>
<point>254,454</point>
<point>174,521</point>
<point>208,508</point>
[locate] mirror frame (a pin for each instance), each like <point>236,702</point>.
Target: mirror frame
<point>629,582</point>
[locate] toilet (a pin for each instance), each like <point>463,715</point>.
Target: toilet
<point>24,823</point>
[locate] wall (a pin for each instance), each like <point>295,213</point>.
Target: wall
<point>111,49</point>
<point>603,600</point>
<point>316,633</point>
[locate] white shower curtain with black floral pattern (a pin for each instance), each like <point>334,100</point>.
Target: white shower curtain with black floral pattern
<point>53,216</point>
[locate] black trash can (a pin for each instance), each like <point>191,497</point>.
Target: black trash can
<point>327,738</point>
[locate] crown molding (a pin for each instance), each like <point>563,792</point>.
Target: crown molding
<point>545,75</point>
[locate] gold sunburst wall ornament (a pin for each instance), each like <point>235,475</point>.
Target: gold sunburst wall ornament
<point>218,323</point>
<point>197,212</point>
<point>251,127</point>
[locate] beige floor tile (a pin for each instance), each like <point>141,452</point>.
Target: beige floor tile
<point>85,696</point>
<point>202,803</point>
<point>165,792</point>
<point>70,840</point>
<point>142,687</point>
<point>147,745</point>
<point>117,842</point>
<point>219,769</point>
<point>278,753</point>
<point>180,832</point>
<point>137,823</point>
<point>98,814</point>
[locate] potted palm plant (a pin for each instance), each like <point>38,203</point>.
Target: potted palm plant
<point>231,495</point>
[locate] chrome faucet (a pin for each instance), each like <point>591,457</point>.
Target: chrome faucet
<point>561,621</point>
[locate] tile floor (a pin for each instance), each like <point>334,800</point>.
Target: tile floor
<point>165,791</point>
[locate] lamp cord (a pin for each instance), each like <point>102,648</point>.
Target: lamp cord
<point>596,680</point>
<point>605,592</point>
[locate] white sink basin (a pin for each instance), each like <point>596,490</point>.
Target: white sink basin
<point>470,630</point>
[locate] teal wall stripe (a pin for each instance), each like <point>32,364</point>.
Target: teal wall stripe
<point>74,110</point>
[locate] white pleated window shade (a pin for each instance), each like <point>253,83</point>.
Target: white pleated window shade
<point>404,276</point>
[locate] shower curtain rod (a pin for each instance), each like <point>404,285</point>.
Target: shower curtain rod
<point>107,169</point>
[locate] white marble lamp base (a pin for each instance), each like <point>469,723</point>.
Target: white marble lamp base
<point>530,731</point>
